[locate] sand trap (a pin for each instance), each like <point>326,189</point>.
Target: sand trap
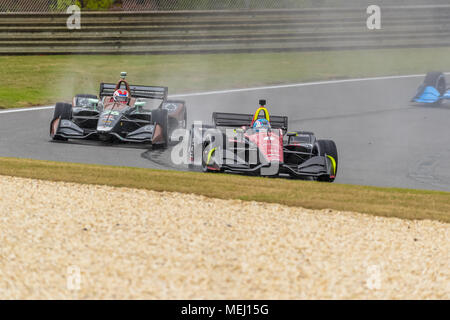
<point>141,244</point>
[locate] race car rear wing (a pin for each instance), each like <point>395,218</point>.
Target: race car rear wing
<point>222,119</point>
<point>149,92</point>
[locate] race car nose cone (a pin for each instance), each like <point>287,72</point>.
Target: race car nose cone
<point>103,129</point>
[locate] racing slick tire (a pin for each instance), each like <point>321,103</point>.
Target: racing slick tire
<point>191,148</point>
<point>64,112</point>
<point>160,116</point>
<point>326,147</point>
<point>205,155</point>
<point>195,146</point>
<point>436,80</point>
<point>184,119</point>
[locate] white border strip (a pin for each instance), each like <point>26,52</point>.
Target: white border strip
<point>293,85</point>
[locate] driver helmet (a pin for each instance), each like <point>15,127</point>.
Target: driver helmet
<point>261,124</point>
<point>121,96</point>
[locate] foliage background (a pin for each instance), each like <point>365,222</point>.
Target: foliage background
<point>143,5</point>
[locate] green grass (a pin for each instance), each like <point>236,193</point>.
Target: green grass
<point>389,202</point>
<point>41,80</point>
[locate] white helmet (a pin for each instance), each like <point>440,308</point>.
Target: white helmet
<point>122,96</point>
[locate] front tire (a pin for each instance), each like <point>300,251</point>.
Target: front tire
<point>209,156</point>
<point>63,111</point>
<point>160,116</point>
<point>185,119</point>
<point>205,156</point>
<point>326,148</point>
<point>436,80</point>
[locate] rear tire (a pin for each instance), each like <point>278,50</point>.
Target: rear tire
<point>185,119</point>
<point>160,116</point>
<point>62,111</point>
<point>326,147</point>
<point>437,80</point>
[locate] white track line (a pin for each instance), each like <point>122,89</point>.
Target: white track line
<point>26,109</point>
<point>293,85</point>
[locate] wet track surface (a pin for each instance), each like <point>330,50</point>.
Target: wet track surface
<point>382,139</point>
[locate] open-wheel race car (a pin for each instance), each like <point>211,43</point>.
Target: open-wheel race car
<point>433,90</point>
<point>260,144</point>
<point>122,112</point>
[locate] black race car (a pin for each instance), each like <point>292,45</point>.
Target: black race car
<point>146,117</point>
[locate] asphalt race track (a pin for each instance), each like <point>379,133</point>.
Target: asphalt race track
<point>382,139</point>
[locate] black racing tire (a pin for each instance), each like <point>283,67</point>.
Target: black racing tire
<point>63,111</point>
<point>207,143</point>
<point>326,147</point>
<point>196,142</point>
<point>437,80</point>
<point>204,166</point>
<point>185,119</point>
<point>160,116</point>
<point>190,148</point>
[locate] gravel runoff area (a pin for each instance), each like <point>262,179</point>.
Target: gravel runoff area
<point>71,241</point>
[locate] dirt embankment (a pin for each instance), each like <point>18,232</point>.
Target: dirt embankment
<point>64,240</point>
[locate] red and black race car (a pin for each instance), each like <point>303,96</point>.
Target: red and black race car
<point>260,144</point>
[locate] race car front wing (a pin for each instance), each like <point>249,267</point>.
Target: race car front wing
<point>69,130</point>
<point>315,166</point>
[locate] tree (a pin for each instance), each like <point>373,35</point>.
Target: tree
<point>95,4</point>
